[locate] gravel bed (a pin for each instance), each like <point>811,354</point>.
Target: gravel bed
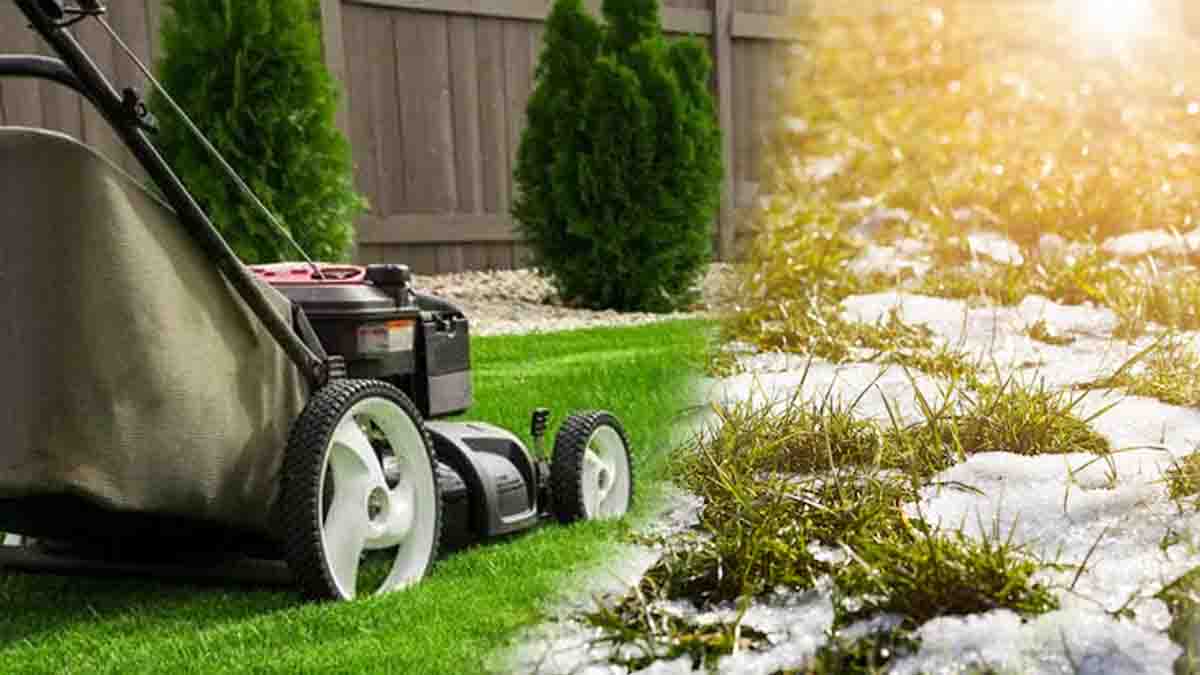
<point>506,302</point>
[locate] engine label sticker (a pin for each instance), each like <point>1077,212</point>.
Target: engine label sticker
<point>385,338</point>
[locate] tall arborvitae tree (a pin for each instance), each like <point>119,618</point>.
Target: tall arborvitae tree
<point>251,75</point>
<point>620,166</point>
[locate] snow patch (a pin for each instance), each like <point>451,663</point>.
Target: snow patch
<point>1056,249</point>
<point>889,261</point>
<point>821,169</point>
<point>1148,242</point>
<point>995,247</point>
<point>796,625</point>
<point>1058,642</point>
<point>997,336</point>
<point>869,387</point>
<point>874,221</point>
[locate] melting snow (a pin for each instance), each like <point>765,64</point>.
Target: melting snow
<point>822,169</point>
<point>995,247</point>
<point>1113,513</point>
<point>1055,249</point>
<point>998,336</point>
<point>1064,641</point>
<point>1146,242</point>
<point>1060,506</point>
<point>887,260</point>
<point>870,388</point>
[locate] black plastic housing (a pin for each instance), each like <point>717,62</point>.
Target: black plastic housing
<point>435,372</point>
<point>499,472</point>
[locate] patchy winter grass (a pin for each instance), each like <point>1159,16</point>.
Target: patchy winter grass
<point>1183,478</point>
<point>952,437</point>
<point>809,494</point>
<point>999,115</point>
<point>1040,332</point>
<point>1167,370</point>
<point>1182,596</point>
<point>1027,420</point>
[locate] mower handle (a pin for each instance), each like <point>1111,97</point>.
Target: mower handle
<point>52,9</point>
<point>46,17</point>
<point>55,9</point>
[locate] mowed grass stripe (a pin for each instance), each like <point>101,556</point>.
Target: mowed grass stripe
<point>475,601</point>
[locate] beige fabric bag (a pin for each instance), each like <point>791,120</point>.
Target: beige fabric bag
<point>133,375</point>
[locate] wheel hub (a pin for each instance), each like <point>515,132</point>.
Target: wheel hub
<point>377,503</point>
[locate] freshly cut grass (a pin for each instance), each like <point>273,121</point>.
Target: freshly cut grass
<point>473,602</point>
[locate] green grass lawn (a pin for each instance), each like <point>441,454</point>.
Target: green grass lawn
<point>473,602</point>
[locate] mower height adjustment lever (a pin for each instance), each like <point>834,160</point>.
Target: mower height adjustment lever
<point>537,429</point>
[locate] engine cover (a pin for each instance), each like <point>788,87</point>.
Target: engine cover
<point>372,318</point>
<point>499,472</point>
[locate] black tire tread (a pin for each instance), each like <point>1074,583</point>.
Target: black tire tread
<point>566,466</point>
<point>301,507</point>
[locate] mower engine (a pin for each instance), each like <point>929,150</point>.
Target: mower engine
<point>384,330</point>
<point>371,317</point>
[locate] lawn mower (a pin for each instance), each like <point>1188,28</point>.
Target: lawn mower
<point>170,410</point>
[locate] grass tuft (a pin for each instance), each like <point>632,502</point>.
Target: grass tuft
<point>870,655</point>
<point>1182,597</point>
<point>806,491</point>
<point>1168,370</point>
<point>1041,332</point>
<point>1183,477</point>
<point>922,574</point>
<point>1027,420</point>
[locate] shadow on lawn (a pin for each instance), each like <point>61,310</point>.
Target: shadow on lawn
<point>42,605</point>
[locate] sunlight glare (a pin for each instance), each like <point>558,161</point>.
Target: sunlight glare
<point>1110,21</point>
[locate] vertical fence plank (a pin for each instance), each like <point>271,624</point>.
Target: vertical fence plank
<point>154,15</point>
<point>465,102</point>
<point>518,81</point>
<point>723,59</point>
<point>449,259</point>
<point>354,24</point>
<point>96,131</point>
<point>333,45</point>
<point>434,107</point>
<point>386,132</point>
<point>62,109</point>
<point>493,116</point>
<point>22,98</point>
<point>424,89</point>
<point>439,113</point>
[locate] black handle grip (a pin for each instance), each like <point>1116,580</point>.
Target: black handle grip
<point>541,418</point>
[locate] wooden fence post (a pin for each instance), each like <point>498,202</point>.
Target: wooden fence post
<point>335,58</point>
<point>723,59</point>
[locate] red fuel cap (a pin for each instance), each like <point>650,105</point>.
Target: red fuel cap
<point>289,273</point>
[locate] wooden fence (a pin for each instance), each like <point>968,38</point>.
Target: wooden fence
<point>434,108</point>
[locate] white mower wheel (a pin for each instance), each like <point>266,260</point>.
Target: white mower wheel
<point>345,497</point>
<point>591,472</point>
